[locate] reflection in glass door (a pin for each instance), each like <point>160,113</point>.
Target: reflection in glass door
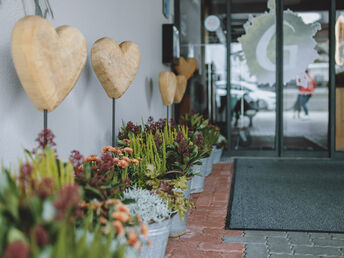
<point>339,79</point>
<point>253,103</point>
<point>305,97</point>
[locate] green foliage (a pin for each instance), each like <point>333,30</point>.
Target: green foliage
<point>195,122</point>
<point>211,135</point>
<point>45,164</point>
<point>86,243</point>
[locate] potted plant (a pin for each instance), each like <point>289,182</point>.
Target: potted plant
<point>166,168</point>
<point>220,146</point>
<point>151,209</point>
<point>211,135</point>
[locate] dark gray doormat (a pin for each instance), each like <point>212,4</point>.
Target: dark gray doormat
<point>287,194</point>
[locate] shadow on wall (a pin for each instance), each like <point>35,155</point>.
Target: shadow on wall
<point>149,91</point>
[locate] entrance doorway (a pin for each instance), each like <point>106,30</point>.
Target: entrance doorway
<point>279,117</point>
<point>268,115</point>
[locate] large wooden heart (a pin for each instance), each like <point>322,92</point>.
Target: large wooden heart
<point>115,65</point>
<point>186,67</point>
<point>181,87</point>
<point>168,87</point>
<point>48,61</point>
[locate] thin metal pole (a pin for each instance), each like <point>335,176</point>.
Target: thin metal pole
<point>332,82</point>
<point>279,77</point>
<point>45,125</point>
<point>113,122</point>
<point>168,113</point>
<point>229,99</point>
<point>45,119</point>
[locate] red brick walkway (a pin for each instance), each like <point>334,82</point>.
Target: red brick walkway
<point>205,225</point>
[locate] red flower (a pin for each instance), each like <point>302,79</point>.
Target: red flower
<point>128,150</point>
<point>76,158</point>
<point>17,249</point>
<point>68,198</point>
<point>46,187</point>
<point>41,236</point>
<point>45,138</point>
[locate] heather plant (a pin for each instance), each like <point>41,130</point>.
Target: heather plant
<point>148,205</point>
<point>41,163</point>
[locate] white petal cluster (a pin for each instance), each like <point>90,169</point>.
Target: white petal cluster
<point>148,205</point>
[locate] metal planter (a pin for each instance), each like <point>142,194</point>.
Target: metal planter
<point>217,155</point>
<point>158,235</point>
<point>178,226</point>
<point>197,182</point>
<point>210,162</point>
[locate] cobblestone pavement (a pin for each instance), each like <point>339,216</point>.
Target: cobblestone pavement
<point>275,244</point>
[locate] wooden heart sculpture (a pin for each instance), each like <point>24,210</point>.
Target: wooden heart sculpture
<point>48,61</point>
<point>115,65</point>
<point>168,87</point>
<point>186,67</point>
<point>181,87</point>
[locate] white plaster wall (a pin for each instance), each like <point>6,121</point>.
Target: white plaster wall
<point>83,120</point>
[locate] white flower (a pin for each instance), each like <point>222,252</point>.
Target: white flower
<point>148,205</point>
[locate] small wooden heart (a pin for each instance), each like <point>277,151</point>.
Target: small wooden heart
<point>48,61</point>
<point>115,65</point>
<point>186,67</point>
<point>181,87</point>
<point>168,87</point>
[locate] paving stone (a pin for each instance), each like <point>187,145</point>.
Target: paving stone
<point>244,239</point>
<point>290,255</point>
<point>337,236</point>
<point>315,250</point>
<point>329,242</point>
<point>299,238</point>
<point>320,235</point>
<point>280,248</point>
<point>265,233</point>
<point>256,250</point>
<point>277,241</point>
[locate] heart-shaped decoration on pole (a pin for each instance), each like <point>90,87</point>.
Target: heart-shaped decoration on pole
<point>115,65</point>
<point>181,87</point>
<point>168,87</point>
<point>48,61</point>
<point>186,67</point>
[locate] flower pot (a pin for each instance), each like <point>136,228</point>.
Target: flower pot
<point>158,235</point>
<point>217,155</point>
<point>178,226</point>
<point>197,182</point>
<point>210,162</point>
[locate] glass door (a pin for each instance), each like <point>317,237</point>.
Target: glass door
<point>253,96</point>
<point>306,95</point>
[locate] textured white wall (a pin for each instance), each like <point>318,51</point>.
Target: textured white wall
<point>83,120</point>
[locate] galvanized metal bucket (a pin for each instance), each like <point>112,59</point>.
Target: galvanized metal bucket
<point>158,235</point>
<point>210,162</point>
<point>217,155</point>
<point>178,226</point>
<point>197,182</point>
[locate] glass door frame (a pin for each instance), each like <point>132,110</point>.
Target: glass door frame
<point>279,131</point>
